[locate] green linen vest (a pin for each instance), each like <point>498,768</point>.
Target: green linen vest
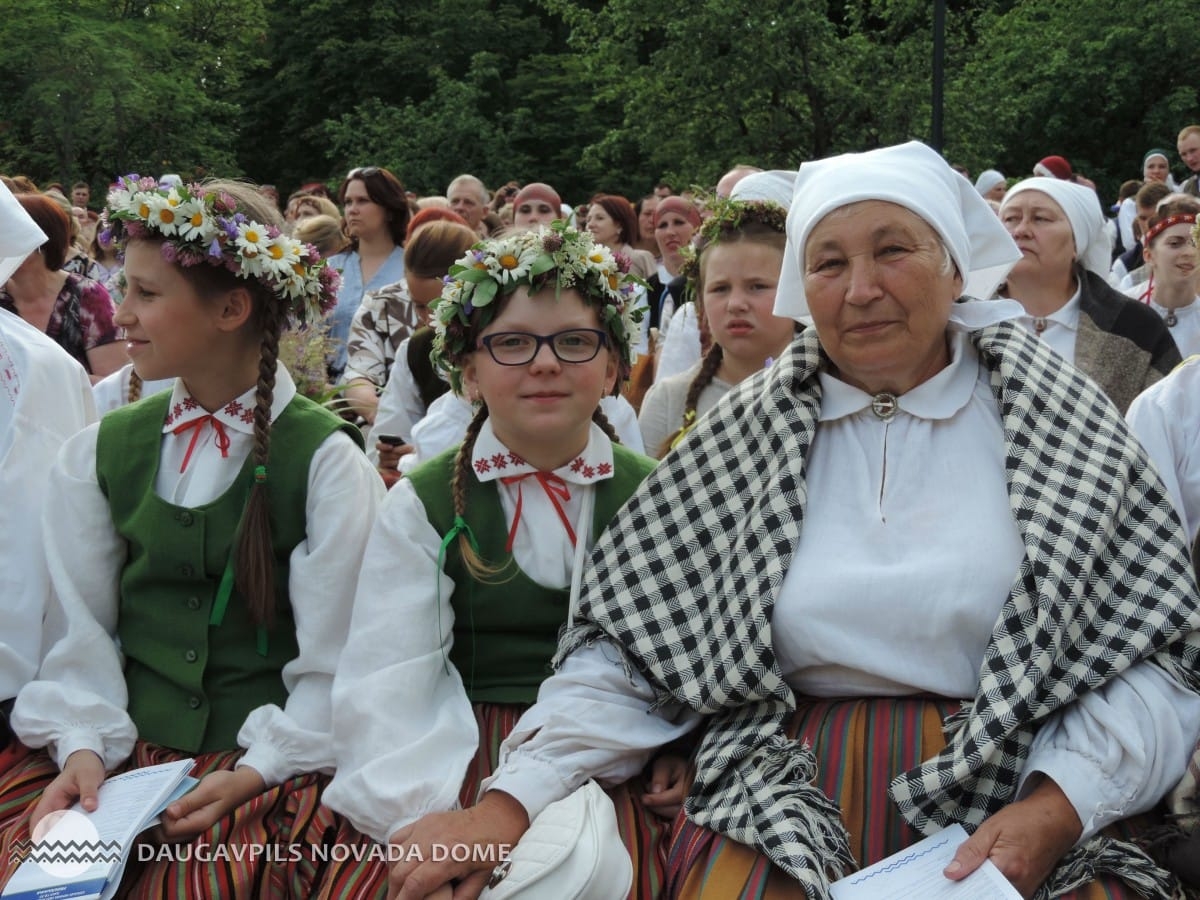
<point>191,684</point>
<point>506,630</point>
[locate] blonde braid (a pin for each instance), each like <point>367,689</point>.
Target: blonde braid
<point>135,387</point>
<point>255,557</point>
<point>704,377</point>
<point>478,568</point>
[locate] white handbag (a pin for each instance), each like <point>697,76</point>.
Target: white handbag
<point>572,851</point>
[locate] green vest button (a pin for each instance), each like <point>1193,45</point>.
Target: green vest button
<point>193,603</point>
<point>190,656</point>
<point>185,519</point>
<point>194,702</point>
<point>187,571</point>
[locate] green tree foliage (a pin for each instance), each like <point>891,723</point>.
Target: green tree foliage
<point>100,87</point>
<point>584,94</point>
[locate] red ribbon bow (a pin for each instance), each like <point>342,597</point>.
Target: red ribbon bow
<point>556,489</point>
<point>198,426</point>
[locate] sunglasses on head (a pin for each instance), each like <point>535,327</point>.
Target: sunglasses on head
<point>363,172</point>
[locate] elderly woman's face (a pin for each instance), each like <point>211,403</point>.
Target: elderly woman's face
<point>880,292</point>
<point>1042,232</point>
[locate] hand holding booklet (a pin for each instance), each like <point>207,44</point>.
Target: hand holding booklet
<point>916,871</point>
<point>82,855</point>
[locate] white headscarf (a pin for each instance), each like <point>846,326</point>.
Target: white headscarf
<point>1093,246</point>
<point>775,185</point>
<point>911,175</point>
<point>987,180</point>
<point>19,234</point>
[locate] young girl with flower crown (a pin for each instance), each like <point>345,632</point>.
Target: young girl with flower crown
<point>470,570</point>
<point>203,546</point>
<point>733,273</point>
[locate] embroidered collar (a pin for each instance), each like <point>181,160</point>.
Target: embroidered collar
<point>237,415</point>
<point>492,460</point>
<point>940,397</point>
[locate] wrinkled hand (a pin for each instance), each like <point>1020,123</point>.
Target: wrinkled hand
<point>498,820</point>
<point>666,787</point>
<point>79,779</point>
<point>1025,840</point>
<point>217,794</point>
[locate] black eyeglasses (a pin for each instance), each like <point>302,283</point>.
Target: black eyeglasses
<point>363,172</point>
<point>518,348</point>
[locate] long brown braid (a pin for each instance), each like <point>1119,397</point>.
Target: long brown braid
<point>606,426</point>
<point>135,387</point>
<point>463,473</point>
<point>255,555</point>
<point>704,377</point>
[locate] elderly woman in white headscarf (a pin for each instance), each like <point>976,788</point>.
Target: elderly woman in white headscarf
<point>1060,280</point>
<point>919,511</point>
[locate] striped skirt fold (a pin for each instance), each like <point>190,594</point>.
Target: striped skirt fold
<point>860,745</point>
<point>249,853</point>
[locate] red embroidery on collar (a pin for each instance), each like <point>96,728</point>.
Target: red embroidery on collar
<point>589,471</point>
<point>515,460</point>
<point>482,465</point>
<point>500,461</point>
<point>232,408</point>
<point>577,465</point>
<point>248,416</point>
<point>604,469</point>
<point>177,411</point>
<point>189,404</point>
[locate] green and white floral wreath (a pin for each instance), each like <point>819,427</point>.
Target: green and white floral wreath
<point>205,227</point>
<point>727,216</point>
<point>557,255</point>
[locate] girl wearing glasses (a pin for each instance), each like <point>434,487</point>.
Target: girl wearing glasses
<point>472,565</point>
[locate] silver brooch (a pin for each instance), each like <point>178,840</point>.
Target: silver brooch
<point>884,406</point>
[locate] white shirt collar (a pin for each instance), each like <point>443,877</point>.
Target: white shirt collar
<point>492,460</point>
<point>940,397</point>
<point>238,414</point>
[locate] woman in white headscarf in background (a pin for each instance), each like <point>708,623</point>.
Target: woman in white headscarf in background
<point>919,511</point>
<point>1060,280</point>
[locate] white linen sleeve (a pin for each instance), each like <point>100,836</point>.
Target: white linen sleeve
<point>1126,214</point>
<point>1168,436</point>
<point>400,405</point>
<point>344,492</point>
<point>681,346</point>
<point>653,418</point>
<point>78,700</point>
<point>591,720</point>
<point>404,730</point>
<point>1118,750</point>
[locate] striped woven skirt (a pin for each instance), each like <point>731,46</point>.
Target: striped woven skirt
<point>860,745</point>
<point>645,835</point>
<point>219,863</point>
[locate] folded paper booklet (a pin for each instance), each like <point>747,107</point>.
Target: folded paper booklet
<point>77,854</point>
<point>917,872</point>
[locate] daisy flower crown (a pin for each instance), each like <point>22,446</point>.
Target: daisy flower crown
<point>557,256</point>
<point>205,227</point>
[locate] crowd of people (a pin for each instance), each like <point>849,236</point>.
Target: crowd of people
<point>803,516</point>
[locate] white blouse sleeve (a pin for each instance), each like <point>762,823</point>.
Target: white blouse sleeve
<point>344,492</point>
<point>1119,750</point>
<point>78,700</point>
<point>404,730</point>
<point>1164,418</point>
<point>591,720</point>
<point>400,405</point>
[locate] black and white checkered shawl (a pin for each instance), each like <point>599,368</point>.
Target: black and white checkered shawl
<point>686,576</point>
